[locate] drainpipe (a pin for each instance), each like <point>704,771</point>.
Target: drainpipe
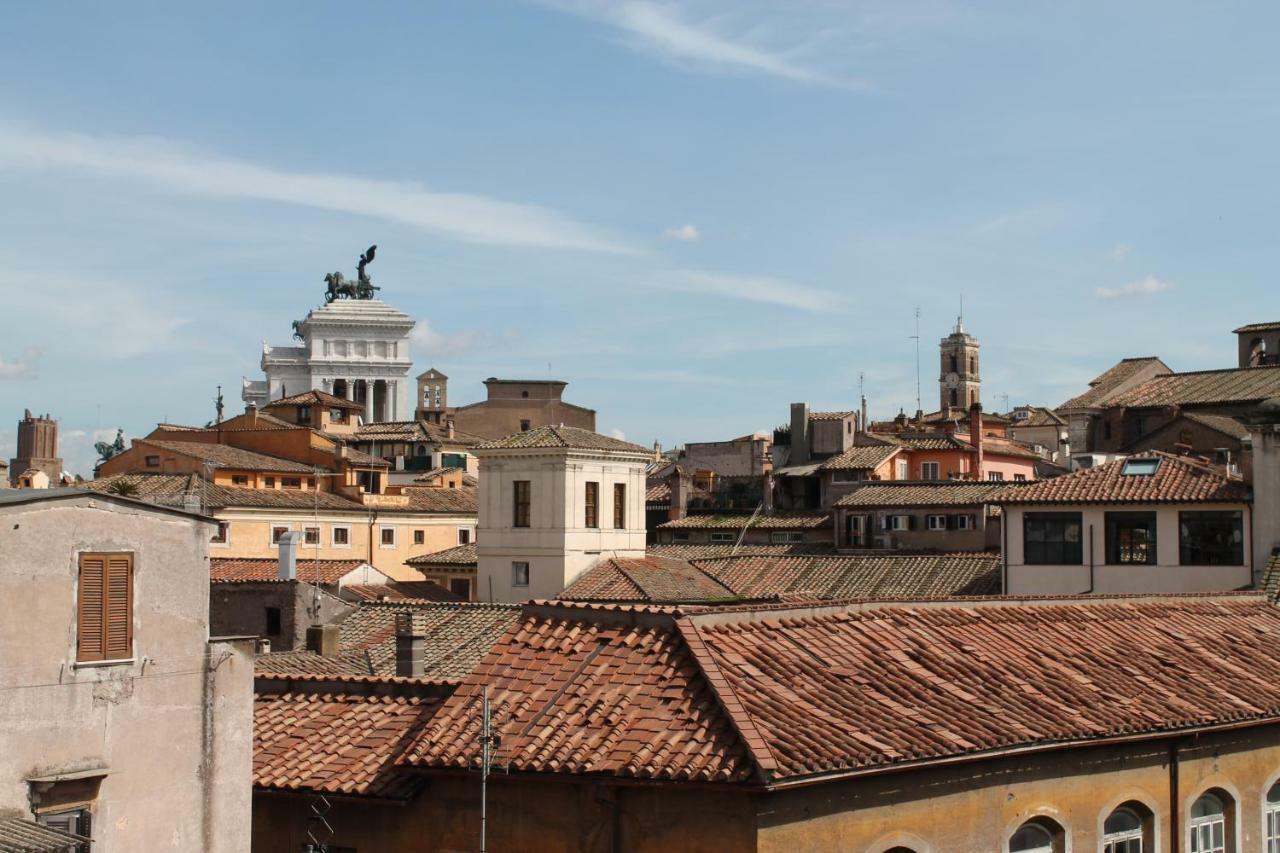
<point>1091,560</point>
<point>1175,828</point>
<point>373,517</point>
<point>1004,550</point>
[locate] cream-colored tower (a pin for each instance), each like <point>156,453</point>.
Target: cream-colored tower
<point>960,384</point>
<point>553,501</point>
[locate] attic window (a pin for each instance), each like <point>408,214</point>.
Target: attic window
<point>1139,467</point>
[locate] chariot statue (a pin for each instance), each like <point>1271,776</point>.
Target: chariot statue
<point>362,288</point>
<point>115,448</point>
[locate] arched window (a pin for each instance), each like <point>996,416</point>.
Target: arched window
<point>1036,836</point>
<point>1122,832</point>
<point>1271,812</point>
<point>1208,825</point>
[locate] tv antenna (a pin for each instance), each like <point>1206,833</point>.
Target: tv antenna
<point>916,338</point>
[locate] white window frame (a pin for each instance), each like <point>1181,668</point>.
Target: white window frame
<point>333,538</point>
<point>935,467</point>
<point>1112,840</point>
<point>395,537</point>
<point>936,523</point>
<point>904,469</point>
<point>1271,819</point>
<point>786,537</point>
<point>1207,822</point>
<point>899,523</point>
<point>271,532</point>
<point>515,577</point>
<point>995,476</point>
<point>319,534</point>
<point>467,532</point>
<point>720,537</point>
<point>964,522</point>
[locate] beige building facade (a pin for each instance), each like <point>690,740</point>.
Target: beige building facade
<point>121,718</point>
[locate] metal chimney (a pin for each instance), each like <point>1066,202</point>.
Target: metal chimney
<point>287,567</point>
<point>410,647</point>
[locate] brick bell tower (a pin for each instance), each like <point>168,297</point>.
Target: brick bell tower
<point>959,382</point>
<point>37,448</point>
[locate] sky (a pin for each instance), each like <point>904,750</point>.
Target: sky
<point>694,213</point>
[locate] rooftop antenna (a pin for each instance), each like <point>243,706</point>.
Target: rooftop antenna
<point>960,316</point>
<point>916,338</point>
<point>1004,397</point>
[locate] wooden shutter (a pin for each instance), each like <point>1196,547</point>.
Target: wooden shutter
<point>104,629</point>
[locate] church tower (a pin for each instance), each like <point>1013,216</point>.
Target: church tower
<point>959,383</point>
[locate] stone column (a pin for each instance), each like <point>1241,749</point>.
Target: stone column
<point>393,412</point>
<point>368,401</point>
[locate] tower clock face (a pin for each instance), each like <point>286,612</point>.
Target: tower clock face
<point>953,380</point>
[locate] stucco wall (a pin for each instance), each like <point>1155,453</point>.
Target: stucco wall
<point>1167,575</point>
<point>240,609</point>
<point>1265,443</point>
<point>163,724</point>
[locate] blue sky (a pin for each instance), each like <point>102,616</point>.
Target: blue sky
<point>695,214</point>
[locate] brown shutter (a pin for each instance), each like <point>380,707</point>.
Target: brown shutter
<point>90,606</point>
<point>104,607</point>
<point>119,612</point>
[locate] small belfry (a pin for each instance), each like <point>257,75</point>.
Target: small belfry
<point>959,382</point>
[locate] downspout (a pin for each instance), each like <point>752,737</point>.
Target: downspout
<point>1091,560</point>
<point>373,517</point>
<point>1175,828</point>
<point>1004,550</point>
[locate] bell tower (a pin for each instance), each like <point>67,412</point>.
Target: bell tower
<point>959,382</point>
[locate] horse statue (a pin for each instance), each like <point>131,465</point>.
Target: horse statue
<point>115,448</point>
<point>339,288</point>
<point>297,330</point>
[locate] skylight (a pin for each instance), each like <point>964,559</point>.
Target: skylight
<point>1139,467</point>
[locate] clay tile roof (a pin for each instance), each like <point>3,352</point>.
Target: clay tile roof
<point>1106,384</point>
<point>461,501</point>
<point>829,416</point>
<point>688,551</point>
<point>860,458</point>
<point>781,520</point>
<point>1256,327</point>
<point>564,436</point>
<point>359,457</point>
<point>27,836</point>
<point>769,695</point>
<point>652,579</point>
<point>244,569</point>
<point>659,492</point>
<point>1237,385</point>
<point>226,456</point>
<point>1219,423</point>
<point>306,662</point>
<point>339,735</point>
<point>316,398</point>
<point>457,635</point>
<point>1040,416</point>
<point>1270,583</point>
<point>171,489</point>
<point>904,493</point>
<point>1176,480</point>
<point>462,555</point>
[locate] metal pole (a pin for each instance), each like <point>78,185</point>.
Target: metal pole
<point>484,762</point>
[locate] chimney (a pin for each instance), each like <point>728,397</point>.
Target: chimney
<point>251,415</point>
<point>799,434</point>
<point>679,482</point>
<point>448,425</point>
<point>862,418</point>
<point>1260,464</point>
<point>287,566</point>
<point>975,438</point>
<point>410,647</point>
<point>768,491</point>
<point>323,640</point>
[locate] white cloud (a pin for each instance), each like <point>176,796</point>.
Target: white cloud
<point>22,367</point>
<point>686,233</point>
<point>660,29</point>
<point>618,434</point>
<point>1148,286</point>
<point>176,168</point>
<point>428,341</point>
<point>774,291</point>
<point>1119,252</point>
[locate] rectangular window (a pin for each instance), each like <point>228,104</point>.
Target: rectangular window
<point>304,414</point>
<point>461,587</point>
<point>929,470</point>
<point>223,534</point>
<point>104,608</point>
<point>1019,478</point>
<point>995,476</point>
<point>419,537</point>
<point>722,536</point>
<point>619,506</point>
<point>311,482</point>
<point>269,482</point>
<point>899,522</point>
<point>786,537</point>
<point>522,491</point>
<point>273,622</point>
<point>464,535</point>
<point>964,522</point>
<point>73,821</point>
<point>239,479</point>
<point>904,469</point>
<point>856,530</point>
<point>1211,538</point>
<point>1051,539</point>
<point>524,426</point>
<point>277,531</point>
<point>680,536</point>
<point>291,482</point>
<point>311,535</point>
<point>937,522</point>
<point>341,537</point>
<point>591,505</point>
<point>519,574</point>
<point>1131,538</point>
<point>153,461</point>
<point>387,537</point>
<point>846,477</point>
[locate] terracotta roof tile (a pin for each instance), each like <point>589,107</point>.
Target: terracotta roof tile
<point>226,456</point>
<point>1110,381</point>
<point>462,555</point>
<point>564,436</point>
<point>653,579</point>
<point>1176,480</point>
<point>772,695</point>
<point>339,735</point>
<point>316,397</point>
<point>1219,423</point>
<point>830,416</point>
<point>1256,327</point>
<point>399,591</point>
<point>860,458</point>
<point>1237,385</point>
<point>243,569</point>
<point>460,501</point>
<point>911,493</point>
<point>688,551</point>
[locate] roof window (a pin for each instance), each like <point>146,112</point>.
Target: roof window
<point>1139,467</point>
